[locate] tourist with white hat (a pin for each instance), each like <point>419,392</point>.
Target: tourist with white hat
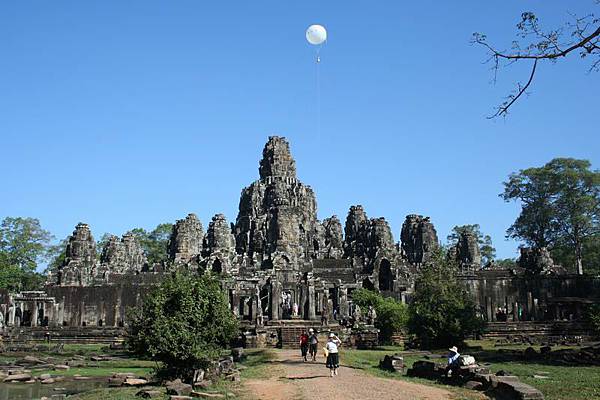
<point>452,360</point>
<point>333,356</point>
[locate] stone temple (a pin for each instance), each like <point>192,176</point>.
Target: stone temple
<point>279,262</point>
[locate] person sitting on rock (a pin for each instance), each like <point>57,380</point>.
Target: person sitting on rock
<point>452,361</point>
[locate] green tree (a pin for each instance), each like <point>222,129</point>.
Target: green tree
<point>563,254</point>
<point>506,263</point>
<point>183,323</point>
<point>56,254</point>
<point>23,245</point>
<point>488,251</point>
<point>392,315</point>
<point>577,204</point>
<point>560,205</point>
<point>154,243</point>
<point>23,242</point>
<point>442,312</point>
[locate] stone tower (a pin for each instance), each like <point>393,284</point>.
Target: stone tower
<point>277,219</point>
<point>80,258</point>
<point>186,239</point>
<point>419,239</point>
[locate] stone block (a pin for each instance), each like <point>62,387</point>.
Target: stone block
<point>474,385</point>
<point>517,391</point>
<point>150,394</point>
<point>178,388</point>
<point>17,378</point>
<point>496,380</point>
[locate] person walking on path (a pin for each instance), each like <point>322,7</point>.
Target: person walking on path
<point>333,356</point>
<point>313,342</point>
<point>304,345</point>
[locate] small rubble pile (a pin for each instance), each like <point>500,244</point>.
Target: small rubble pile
<point>474,377</point>
<point>393,363</point>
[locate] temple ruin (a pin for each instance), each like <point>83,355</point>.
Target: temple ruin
<point>280,263</point>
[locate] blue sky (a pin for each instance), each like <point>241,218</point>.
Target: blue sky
<point>129,114</point>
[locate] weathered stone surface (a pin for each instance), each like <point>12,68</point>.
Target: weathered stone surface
<point>536,261</point>
<point>219,246</point>
<point>516,391</point>
<point>467,253</point>
<point>277,220</point>
<point>150,394</point>
<point>356,231</point>
<point>186,239</point>
<point>419,239</point>
<point>17,378</point>
<point>393,363</point>
<point>473,385</point>
<point>178,388</point>
<point>333,238</point>
<point>135,382</point>
<point>80,259</point>
<point>121,256</point>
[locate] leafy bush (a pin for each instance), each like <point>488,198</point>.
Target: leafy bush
<point>392,315</point>
<point>593,316</point>
<point>365,298</point>
<point>442,312</point>
<point>183,323</point>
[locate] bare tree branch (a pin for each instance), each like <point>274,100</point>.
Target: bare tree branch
<point>584,36</point>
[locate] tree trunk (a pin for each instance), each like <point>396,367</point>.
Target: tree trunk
<point>578,262</point>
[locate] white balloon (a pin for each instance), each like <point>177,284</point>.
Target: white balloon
<point>316,34</point>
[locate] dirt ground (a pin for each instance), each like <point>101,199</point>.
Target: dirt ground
<point>295,379</point>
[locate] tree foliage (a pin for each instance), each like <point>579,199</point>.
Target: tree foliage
<point>487,249</point>
<point>442,312</point>
<point>392,315</point>
<point>581,34</point>
<point>23,245</point>
<point>154,242</point>
<point>560,205</point>
<point>183,323</point>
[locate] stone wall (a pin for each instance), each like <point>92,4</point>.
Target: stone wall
<point>541,297</point>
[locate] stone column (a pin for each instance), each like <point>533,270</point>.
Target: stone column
<point>344,302</point>
<point>515,311</point>
<point>34,314</point>
<point>253,303</point>
<point>311,302</point>
<point>529,306</point>
<point>81,313</point>
<point>275,300</point>
<point>12,309</point>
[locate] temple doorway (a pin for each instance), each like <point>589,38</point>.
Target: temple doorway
<point>386,279</point>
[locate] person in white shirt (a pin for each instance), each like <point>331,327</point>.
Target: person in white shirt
<point>333,356</point>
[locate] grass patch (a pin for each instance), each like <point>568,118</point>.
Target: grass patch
<point>257,364</point>
<point>563,382</point>
<point>111,394</point>
<point>368,361</point>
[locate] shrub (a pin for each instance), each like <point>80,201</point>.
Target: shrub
<point>593,316</point>
<point>392,315</point>
<point>442,312</point>
<point>182,323</point>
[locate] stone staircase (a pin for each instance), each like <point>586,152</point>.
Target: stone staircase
<point>289,333</point>
<point>536,330</point>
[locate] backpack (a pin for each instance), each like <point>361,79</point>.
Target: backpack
<point>466,360</point>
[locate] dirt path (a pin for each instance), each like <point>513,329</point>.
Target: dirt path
<point>294,379</point>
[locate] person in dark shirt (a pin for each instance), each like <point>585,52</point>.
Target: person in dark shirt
<point>304,345</point>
